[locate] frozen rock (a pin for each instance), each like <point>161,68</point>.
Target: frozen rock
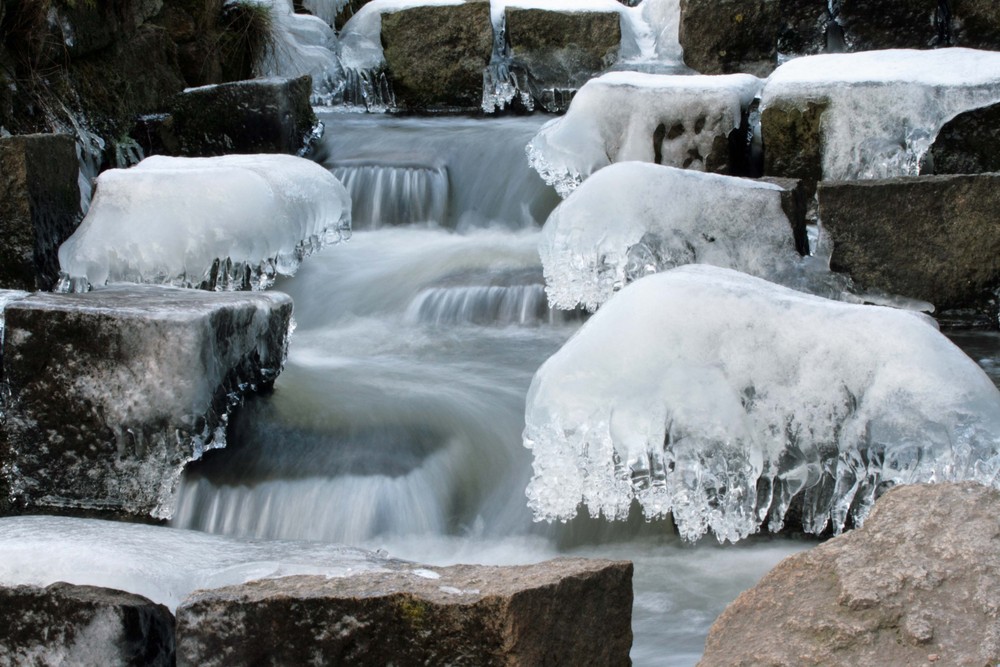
<point>258,116</point>
<point>435,54</point>
<point>680,121</point>
<point>876,112</point>
<point>597,241</point>
<point>228,222</point>
<point>969,143</point>
<point>730,36</point>
<point>565,611</point>
<point>918,584</point>
<point>64,624</point>
<point>113,391</point>
<point>558,50</point>
<point>718,398</point>
<point>929,237</point>
<point>39,207</point>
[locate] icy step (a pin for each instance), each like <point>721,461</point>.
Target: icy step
<point>869,115</point>
<point>394,194</point>
<point>719,398</point>
<point>137,382</point>
<point>679,121</point>
<point>227,222</point>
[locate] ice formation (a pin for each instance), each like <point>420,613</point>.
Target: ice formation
<point>720,399</point>
<point>614,118</point>
<point>301,44</point>
<point>885,107</point>
<point>327,10</point>
<point>228,222</point>
<point>598,240</point>
<point>163,564</point>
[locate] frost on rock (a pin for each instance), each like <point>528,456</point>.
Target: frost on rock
<point>229,222</point>
<point>301,44</point>
<point>885,107</point>
<point>719,398</point>
<point>616,117</point>
<point>597,240</point>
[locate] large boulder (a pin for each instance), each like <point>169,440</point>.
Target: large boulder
<point>566,612</point>
<point>39,207</point>
<point>435,55</point>
<point>934,238</point>
<point>893,24</point>
<point>918,584</point>
<point>258,116</point>
<point>559,51</point>
<point>975,23</point>
<point>113,391</point>
<point>969,143</point>
<point>63,624</point>
<point>729,36</point>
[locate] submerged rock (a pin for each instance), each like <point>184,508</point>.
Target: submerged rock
<point>435,55</point>
<point>559,51</point>
<point>39,207</point>
<point>565,611</point>
<point>258,116</point>
<point>933,238</point>
<point>63,624</point>
<point>113,391</point>
<point>917,584</point>
<point>969,143</point>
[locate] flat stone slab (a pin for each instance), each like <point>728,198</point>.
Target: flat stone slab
<point>39,207</point>
<point>113,391</point>
<point>934,238</point>
<point>561,612</point>
<point>919,584</point>
<point>63,624</point>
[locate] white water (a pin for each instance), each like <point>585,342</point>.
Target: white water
<point>397,422</point>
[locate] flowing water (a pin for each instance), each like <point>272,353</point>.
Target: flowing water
<point>397,422</point>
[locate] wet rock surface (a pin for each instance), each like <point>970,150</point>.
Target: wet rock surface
<point>893,24</point>
<point>933,238</point>
<point>113,391</point>
<point>63,624</point>
<point>918,584</point>
<point>558,52</point>
<point>435,55</point>
<point>793,141</point>
<point>561,612</point>
<point>969,143</point>
<point>39,207</point>
<point>258,116</point>
<point>730,36</point>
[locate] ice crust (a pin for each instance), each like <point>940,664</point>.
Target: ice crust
<point>163,564</point>
<point>614,118</point>
<point>885,107</point>
<point>229,222</point>
<point>599,240</point>
<point>718,398</point>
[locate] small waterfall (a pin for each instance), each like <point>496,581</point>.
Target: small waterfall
<point>389,194</point>
<point>484,304</point>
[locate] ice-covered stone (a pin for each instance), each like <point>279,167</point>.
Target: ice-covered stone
<point>597,241</point>
<point>882,108</point>
<point>718,398</point>
<point>113,391</point>
<point>918,584</point>
<point>565,611</point>
<point>227,222</point>
<point>39,207</point>
<point>258,116</point>
<point>64,624</point>
<point>933,238</point>
<point>680,121</point>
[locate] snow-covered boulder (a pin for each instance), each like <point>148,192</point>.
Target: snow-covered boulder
<point>876,112</point>
<point>680,121</point>
<point>227,222</point>
<point>719,398</point>
<point>597,240</point>
<point>114,391</point>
